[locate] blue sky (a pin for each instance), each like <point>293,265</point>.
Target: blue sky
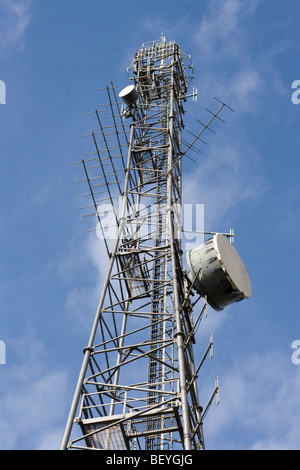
<point>53,57</point>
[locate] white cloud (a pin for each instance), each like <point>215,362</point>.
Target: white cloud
<point>50,440</point>
<point>32,395</point>
<point>86,255</point>
<point>225,60</point>
<point>15,18</point>
<point>258,408</point>
<point>220,30</point>
<point>223,180</point>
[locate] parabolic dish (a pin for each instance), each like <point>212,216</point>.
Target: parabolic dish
<point>218,272</point>
<point>129,95</point>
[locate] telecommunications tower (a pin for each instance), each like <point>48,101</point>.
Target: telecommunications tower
<point>137,387</point>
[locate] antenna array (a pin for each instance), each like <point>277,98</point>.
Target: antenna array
<point>137,388</point>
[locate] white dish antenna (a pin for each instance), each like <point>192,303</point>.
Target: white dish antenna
<point>218,272</point>
<point>129,95</point>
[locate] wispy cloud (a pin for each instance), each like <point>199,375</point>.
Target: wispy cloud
<point>223,53</point>
<point>220,33</point>
<point>32,395</point>
<point>86,256</point>
<point>259,400</point>
<point>230,65</point>
<point>223,180</point>
<point>15,17</point>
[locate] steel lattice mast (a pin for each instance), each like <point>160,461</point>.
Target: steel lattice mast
<point>137,386</point>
